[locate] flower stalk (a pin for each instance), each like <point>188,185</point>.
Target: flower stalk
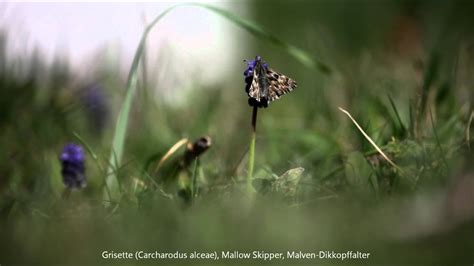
<point>252,150</point>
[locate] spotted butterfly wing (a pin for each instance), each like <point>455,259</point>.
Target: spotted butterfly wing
<point>267,85</point>
<point>279,84</point>
<point>258,91</point>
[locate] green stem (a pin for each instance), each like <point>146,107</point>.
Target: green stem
<point>252,150</point>
<point>194,179</point>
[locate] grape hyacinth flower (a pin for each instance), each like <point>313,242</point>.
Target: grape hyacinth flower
<point>96,106</point>
<point>73,170</point>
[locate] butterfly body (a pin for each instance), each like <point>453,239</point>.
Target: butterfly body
<point>265,85</point>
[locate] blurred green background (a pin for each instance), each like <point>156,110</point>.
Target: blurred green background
<point>403,69</point>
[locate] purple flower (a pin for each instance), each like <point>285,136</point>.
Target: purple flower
<point>72,160</point>
<point>251,66</point>
<point>96,106</point>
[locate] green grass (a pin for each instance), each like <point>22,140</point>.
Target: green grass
<point>395,179</point>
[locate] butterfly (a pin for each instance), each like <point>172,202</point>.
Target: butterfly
<point>265,85</point>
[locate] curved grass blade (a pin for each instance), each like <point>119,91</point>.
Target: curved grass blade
<point>300,55</point>
<point>122,120</point>
<point>170,152</point>
<point>96,160</point>
<point>397,115</point>
<point>370,140</point>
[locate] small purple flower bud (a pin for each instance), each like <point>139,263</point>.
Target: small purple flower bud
<point>72,160</point>
<point>96,106</point>
<point>251,66</point>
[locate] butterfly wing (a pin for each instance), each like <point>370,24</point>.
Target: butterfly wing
<point>259,88</point>
<point>254,91</point>
<point>279,84</point>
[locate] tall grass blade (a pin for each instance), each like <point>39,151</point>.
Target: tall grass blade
<point>194,180</point>
<point>428,79</point>
<point>96,160</point>
<point>300,55</point>
<point>397,115</point>
<point>370,140</point>
<point>118,140</point>
<point>438,143</point>
<point>412,129</point>
<point>170,152</point>
<point>468,130</point>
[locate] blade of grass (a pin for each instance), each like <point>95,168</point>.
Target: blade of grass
<point>151,179</point>
<point>370,140</point>
<point>170,152</point>
<point>438,143</point>
<point>300,55</point>
<point>412,121</point>
<point>428,79</point>
<point>397,115</point>
<point>89,149</point>
<point>468,130</point>
<point>194,179</point>
<point>96,160</point>
<point>118,140</point>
